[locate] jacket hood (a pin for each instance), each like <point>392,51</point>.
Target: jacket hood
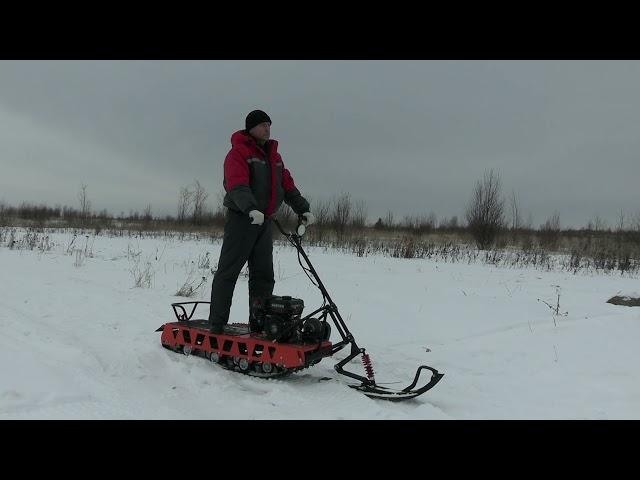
<point>241,137</point>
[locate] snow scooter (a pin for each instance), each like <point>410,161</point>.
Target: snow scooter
<point>279,341</point>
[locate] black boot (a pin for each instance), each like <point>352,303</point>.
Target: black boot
<point>254,326</point>
<point>256,315</point>
<point>216,327</point>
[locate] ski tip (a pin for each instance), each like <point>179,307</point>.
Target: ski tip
<point>379,392</point>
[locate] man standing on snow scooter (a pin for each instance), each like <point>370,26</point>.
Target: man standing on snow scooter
<point>256,182</point>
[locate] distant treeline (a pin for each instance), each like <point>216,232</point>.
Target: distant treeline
<point>490,221</point>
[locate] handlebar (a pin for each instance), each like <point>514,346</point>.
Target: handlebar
<point>300,228</point>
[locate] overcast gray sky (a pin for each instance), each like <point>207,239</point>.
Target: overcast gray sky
<point>407,136</point>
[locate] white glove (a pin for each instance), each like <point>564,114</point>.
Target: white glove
<point>308,218</point>
<point>257,217</point>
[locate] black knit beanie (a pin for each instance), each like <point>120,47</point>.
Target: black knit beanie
<point>256,118</point>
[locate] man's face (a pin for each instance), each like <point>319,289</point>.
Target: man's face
<point>261,131</point>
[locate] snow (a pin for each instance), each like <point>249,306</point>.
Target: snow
<point>629,295</point>
<point>79,338</point>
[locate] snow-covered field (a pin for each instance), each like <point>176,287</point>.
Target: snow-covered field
<point>78,338</point>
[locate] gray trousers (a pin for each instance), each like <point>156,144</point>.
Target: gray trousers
<point>243,242</point>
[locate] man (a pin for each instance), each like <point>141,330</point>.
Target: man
<point>256,183</point>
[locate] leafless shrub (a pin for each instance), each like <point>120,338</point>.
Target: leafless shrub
<point>147,217</point>
<point>555,309</point>
<point>85,204</point>
<point>69,249</point>
<point>359,217</point>
<point>200,196</point>
<point>142,274</point>
<point>485,211</point>
<point>188,289</point>
<point>204,261</point>
<point>319,231</point>
<point>516,220</point>
<point>185,200</point>
<point>550,232</point>
<point>341,214</point>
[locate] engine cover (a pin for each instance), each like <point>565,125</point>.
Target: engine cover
<point>283,306</point>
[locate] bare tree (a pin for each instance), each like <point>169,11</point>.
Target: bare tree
<point>359,217</point>
<point>218,216</point>
<point>388,221</point>
<point>341,213</point>
<point>449,222</point>
<point>516,220</point>
<point>620,225</point>
<point>600,224</point>
<point>636,222</point>
<point>409,222</point>
<point>431,221</point>
<point>321,210</point>
<point>597,224</point>
<point>553,223</point>
<point>85,204</point>
<point>485,211</point>
<point>550,231</point>
<point>146,216</point>
<point>419,223</point>
<point>185,198</point>
<point>199,197</point>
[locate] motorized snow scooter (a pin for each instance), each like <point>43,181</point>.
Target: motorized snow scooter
<point>279,341</point>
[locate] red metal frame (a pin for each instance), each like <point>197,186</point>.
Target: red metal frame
<point>249,346</point>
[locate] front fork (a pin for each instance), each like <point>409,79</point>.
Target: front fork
<point>355,351</point>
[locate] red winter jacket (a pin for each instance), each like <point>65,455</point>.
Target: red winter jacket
<point>256,178</point>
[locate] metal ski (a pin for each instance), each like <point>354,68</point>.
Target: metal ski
<point>384,393</point>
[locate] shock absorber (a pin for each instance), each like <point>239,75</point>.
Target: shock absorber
<point>368,367</point>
